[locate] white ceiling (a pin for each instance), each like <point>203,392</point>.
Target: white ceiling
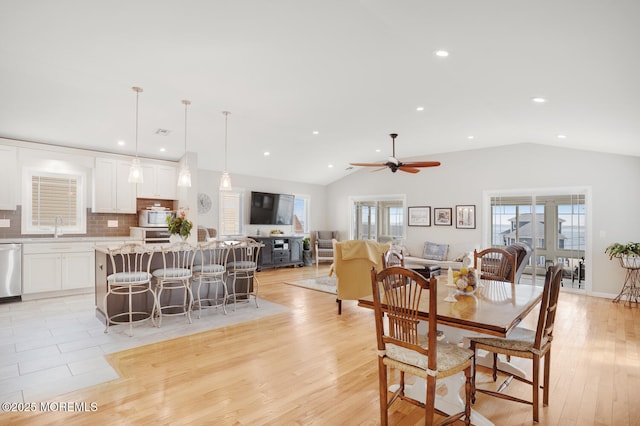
<point>353,70</point>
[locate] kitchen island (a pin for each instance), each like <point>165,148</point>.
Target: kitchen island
<point>140,302</point>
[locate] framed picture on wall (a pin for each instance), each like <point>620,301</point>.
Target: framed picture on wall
<point>442,216</point>
<point>466,217</point>
<point>420,216</point>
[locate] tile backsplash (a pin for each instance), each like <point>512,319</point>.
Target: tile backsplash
<point>96,224</point>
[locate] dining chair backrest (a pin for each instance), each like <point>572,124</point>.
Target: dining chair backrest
<point>522,251</point>
<point>397,293</point>
<point>495,264</point>
<point>548,307</point>
<point>392,257</point>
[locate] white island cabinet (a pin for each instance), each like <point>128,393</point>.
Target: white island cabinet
<point>160,181</point>
<point>112,193</point>
<point>58,266</point>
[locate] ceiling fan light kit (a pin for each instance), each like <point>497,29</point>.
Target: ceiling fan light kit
<point>394,164</point>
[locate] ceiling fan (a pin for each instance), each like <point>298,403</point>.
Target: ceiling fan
<point>394,164</point>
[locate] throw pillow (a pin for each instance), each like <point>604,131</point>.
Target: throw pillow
<point>433,251</point>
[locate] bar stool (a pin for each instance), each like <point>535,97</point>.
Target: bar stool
<point>242,268</point>
<point>209,269</point>
<point>130,264</point>
<point>175,274</point>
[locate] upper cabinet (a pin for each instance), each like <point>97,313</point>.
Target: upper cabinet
<point>160,181</point>
<point>112,193</point>
<point>8,172</point>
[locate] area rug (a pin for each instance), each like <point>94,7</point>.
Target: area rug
<point>324,284</point>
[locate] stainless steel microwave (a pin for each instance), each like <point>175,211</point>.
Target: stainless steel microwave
<point>154,218</point>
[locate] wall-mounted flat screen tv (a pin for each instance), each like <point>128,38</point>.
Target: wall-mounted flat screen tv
<point>271,209</point>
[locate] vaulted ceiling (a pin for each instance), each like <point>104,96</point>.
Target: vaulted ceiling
<point>319,83</point>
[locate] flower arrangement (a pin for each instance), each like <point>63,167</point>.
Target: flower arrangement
<point>466,280</point>
<point>180,225</point>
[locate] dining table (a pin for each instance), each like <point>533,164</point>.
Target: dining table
<point>495,308</point>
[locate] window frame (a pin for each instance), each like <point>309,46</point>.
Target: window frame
<point>27,226</point>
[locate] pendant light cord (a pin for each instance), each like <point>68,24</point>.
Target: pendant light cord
<point>186,104</point>
<point>226,118</point>
<point>137,90</point>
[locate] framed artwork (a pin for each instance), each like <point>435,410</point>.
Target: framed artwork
<point>442,216</point>
<point>420,216</point>
<point>466,217</point>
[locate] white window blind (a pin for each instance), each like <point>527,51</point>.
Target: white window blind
<point>53,197</point>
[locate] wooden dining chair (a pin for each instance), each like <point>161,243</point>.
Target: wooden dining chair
<point>392,257</point>
<point>495,264</point>
<point>525,343</point>
<point>397,293</point>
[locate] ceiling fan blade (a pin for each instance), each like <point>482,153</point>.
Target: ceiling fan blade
<point>381,168</point>
<point>423,164</point>
<point>408,169</point>
<point>368,164</point>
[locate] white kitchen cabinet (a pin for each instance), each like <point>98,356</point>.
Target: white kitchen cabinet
<point>160,181</point>
<point>8,173</point>
<point>51,267</point>
<point>112,193</point>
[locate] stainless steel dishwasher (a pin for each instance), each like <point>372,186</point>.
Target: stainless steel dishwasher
<point>10,272</point>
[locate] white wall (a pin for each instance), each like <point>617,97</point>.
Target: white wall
<point>463,176</point>
<point>208,183</point>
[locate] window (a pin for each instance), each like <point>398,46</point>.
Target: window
<point>381,220</point>
<point>51,198</point>
<point>231,212</point>
<point>556,223</point>
<point>301,214</point>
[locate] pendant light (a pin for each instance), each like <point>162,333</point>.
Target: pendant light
<point>225,180</point>
<point>135,172</point>
<point>184,178</point>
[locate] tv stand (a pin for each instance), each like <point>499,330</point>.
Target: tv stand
<point>279,251</point>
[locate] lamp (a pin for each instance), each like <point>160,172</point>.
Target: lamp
<point>135,172</point>
<point>225,180</point>
<point>184,177</point>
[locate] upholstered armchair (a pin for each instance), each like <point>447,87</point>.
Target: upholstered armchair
<point>324,245</point>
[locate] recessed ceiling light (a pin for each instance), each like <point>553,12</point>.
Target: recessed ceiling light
<point>121,143</point>
<point>378,150</point>
<point>315,132</point>
<point>561,136</point>
<point>330,166</point>
<point>163,149</point>
<point>539,100</point>
<point>470,137</point>
<point>420,108</point>
<point>266,153</point>
<point>441,53</point>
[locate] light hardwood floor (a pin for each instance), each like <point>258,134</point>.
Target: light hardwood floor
<point>310,366</point>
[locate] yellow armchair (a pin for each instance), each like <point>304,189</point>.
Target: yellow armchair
<point>352,265</point>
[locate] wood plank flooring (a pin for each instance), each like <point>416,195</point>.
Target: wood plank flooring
<point>310,366</point>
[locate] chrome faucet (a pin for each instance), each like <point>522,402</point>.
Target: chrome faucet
<point>58,223</point>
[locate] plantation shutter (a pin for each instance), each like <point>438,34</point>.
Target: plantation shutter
<point>230,213</point>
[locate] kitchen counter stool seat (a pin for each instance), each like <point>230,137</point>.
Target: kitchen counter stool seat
<point>175,275</point>
<point>133,262</point>
<point>209,271</point>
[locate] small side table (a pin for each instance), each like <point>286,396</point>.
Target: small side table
<point>631,286</point>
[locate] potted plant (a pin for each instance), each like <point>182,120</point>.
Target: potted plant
<point>629,254</point>
<point>306,243</point>
<point>180,225</point>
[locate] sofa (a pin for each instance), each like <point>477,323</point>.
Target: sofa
<point>436,254</point>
